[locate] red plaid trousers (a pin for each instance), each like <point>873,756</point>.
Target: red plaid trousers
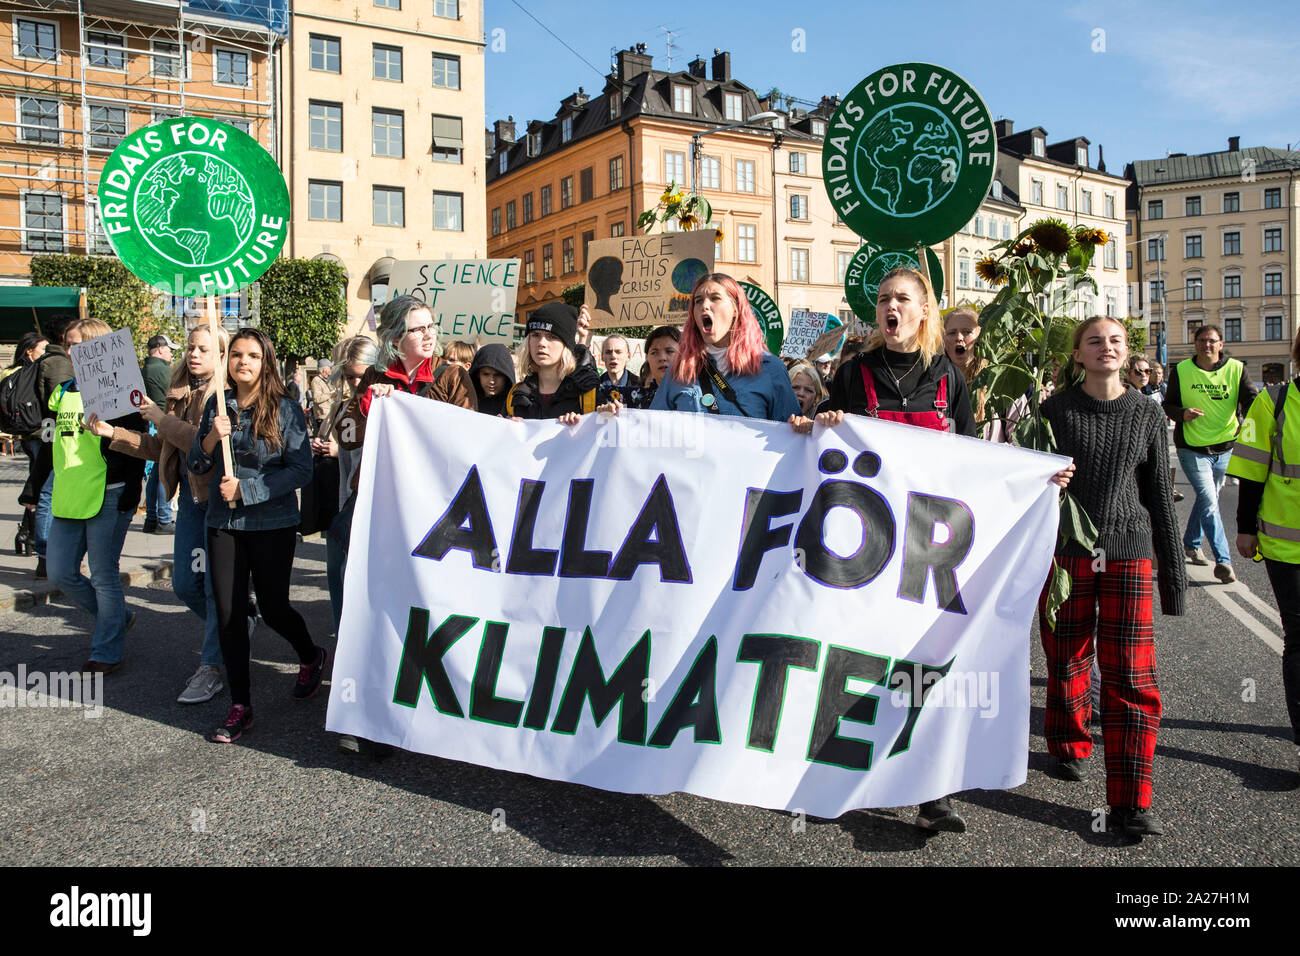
<point>1116,604</point>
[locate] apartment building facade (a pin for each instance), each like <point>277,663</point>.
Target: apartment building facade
<point>378,99</point>
<point>1213,241</point>
<point>999,217</point>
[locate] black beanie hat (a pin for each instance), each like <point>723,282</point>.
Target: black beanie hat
<point>559,319</point>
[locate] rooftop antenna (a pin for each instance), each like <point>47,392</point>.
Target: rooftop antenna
<point>668,36</point>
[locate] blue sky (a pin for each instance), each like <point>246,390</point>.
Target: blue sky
<point>1201,72</point>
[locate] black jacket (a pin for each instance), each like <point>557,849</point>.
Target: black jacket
<point>496,357</point>
<point>577,393</point>
<point>848,394</point>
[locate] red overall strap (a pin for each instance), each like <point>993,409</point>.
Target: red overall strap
<point>941,396</point>
<point>869,383</point>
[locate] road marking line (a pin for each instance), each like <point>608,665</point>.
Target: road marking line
<point>1216,591</point>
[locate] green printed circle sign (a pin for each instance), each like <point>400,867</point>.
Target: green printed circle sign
<point>909,155</point>
<point>768,315</point>
<point>870,264</point>
<point>194,207</point>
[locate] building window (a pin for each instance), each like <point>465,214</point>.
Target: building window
<point>1232,329</point>
<point>587,238</point>
<point>1038,146</point>
<point>1193,326</point>
<point>324,200</point>
<point>511,221</point>
<point>448,146</point>
<point>389,206</point>
<point>545,193</point>
<point>1273,328</point>
<point>530,267</point>
<point>325,53</point>
<point>681,98</point>
<point>1128,259</point>
<point>1155,209</point>
<point>548,261</point>
<point>232,68</point>
<point>615,230</point>
<point>107,126</point>
<point>1195,289</point>
<point>1112,254</point>
<point>586,185</point>
<point>798,207</point>
<point>842,260</point>
<point>566,193</point>
<point>798,162</point>
<point>1155,250</point>
<point>448,9</point>
<point>746,243</point>
<point>675,168</point>
<point>798,265</point>
<point>448,211</point>
<point>1192,248</point>
<point>1128,227</point>
<point>731,107</point>
<point>566,129</point>
<point>386,133</point>
<point>446,72</point>
<point>1232,243</point>
<point>1006,228</point>
<point>979,225</point>
<point>1272,283</point>
<point>818,127</point>
<point>503,162</point>
<point>387,62</point>
<point>534,142</point>
<point>1085,202</point>
<point>710,173</point>
<point>963,273</point>
<point>1232,202</point>
<point>1192,205</point>
<point>566,256</point>
<point>1273,240</point>
<point>38,40</point>
<point>1110,206</point>
<point>496,221</point>
<point>1273,198</point>
<point>1036,191</point>
<point>43,222</point>
<point>107,51</point>
<point>615,105</point>
<point>239,124</point>
<point>325,126</point>
<point>389,4</point>
<point>1232,287</point>
<point>1112,304</point>
<point>1157,291</point>
<point>165,60</point>
<point>744,175</point>
<point>39,119</point>
<point>526,207</point>
<point>1062,196</point>
<point>616,173</point>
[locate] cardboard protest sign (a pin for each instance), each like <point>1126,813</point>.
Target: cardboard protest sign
<point>804,331</point>
<point>646,280</point>
<point>471,299</point>
<point>108,375</point>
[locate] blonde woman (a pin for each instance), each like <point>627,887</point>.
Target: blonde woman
<point>808,388</point>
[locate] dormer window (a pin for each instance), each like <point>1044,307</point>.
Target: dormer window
<point>731,107</point>
<point>1038,146</point>
<point>818,128</point>
<point>1081,155</point>
<point>778,123</point>
<point>997,189</point>
<point>682,99</point>
<point>501,165</point>
<point>535,143</point>
<point>566,129</point>
<point>615,105</point>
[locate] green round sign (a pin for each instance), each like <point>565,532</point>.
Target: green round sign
<point>194,207</point>
<point>871,264</point>
<point>909,155</point>
<point>769,316</point>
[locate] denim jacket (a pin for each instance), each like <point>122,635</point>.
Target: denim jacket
<point>268,478</point>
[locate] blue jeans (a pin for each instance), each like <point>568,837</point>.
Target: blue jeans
<point>1206,474</point>
<point>44,516</point>
<point>102,537</point>
<point>157,507</point>
<point>337,538</point>
<point>190,580</point>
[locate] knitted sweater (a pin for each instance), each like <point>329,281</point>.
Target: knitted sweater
<point>1122,480</point>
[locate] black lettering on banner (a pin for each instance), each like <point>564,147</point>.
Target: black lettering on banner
<point>665,549</point>
<point>823,565</point>
<point>918,680</point>
<point>524,558</point>
<point>449,532</point>
<point>835,703</point>
<point>587,682</point>
<point>757,537</point>
<point>695,704</point>
<point>774,654</point>
<point>575,560</point>
<point>548,667</point>
<point>484,704</point>
<point>422,660</point>
<point>921,552</point>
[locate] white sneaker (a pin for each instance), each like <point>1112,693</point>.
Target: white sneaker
<point>203,686</point>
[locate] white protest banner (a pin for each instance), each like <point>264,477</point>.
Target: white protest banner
<point>471,299</point>
<point>108,375</point>
<point>664,601</point>
<point>804,330</point>
<point>646,280</point>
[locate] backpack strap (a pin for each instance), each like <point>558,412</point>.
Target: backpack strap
<point>1278,394</point>
<point>869,383</point>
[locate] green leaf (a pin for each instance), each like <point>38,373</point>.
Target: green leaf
<point>1035,261</point>
<point>1076,527</point>
<point>1058,589</point>
<point>1033,431</point>
<point>1010,381</point>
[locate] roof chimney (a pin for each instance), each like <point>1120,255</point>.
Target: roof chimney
<point>1234,144</point>
<point>1002,127</point>
<point>1101,159</point>
<point>633,62</point>
<point>505,130</point>
<point>696,67</point>
<point>721,66</point>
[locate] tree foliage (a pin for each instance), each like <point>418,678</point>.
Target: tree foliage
<point>301,305</point>
<point>113,293</point>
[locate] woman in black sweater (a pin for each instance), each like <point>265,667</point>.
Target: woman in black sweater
<point>1116,437</point>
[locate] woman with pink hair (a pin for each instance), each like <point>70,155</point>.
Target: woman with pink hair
<point>722,366</point>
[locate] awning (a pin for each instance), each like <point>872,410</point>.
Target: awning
<point>25,308</point>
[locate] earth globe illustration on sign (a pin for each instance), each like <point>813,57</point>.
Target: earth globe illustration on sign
<point>195,209</point>
<point>906,159</point>
<point>880,266</point>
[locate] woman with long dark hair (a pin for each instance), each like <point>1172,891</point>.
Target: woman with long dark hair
<point>257,537</point>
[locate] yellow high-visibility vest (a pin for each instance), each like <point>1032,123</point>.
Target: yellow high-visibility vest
<point>1268,450</point>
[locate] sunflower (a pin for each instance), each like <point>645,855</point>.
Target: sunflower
<point>721,235</point>
<point>988,270</point>
<point>1052,236</point>
<point>1023,248</point>
<point>667,196</point>
<point>1086,236</point>
<point>687,221</point>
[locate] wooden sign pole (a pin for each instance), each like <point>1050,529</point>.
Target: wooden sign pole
<point>219,370</point>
